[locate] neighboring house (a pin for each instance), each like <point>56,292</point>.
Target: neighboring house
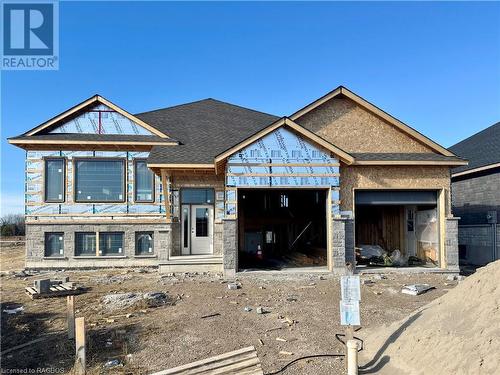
<point>476,196</point>
<point>211,186</point>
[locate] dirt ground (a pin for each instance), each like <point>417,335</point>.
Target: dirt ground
<point>302,317</point>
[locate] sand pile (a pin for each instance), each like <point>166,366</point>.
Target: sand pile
<point>458,333</point>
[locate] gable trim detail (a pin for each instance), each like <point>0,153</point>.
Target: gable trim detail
<point>284,121</point>
<point>341,90</point>
<point>86,103</point>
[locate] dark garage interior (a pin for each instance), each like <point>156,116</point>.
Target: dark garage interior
<point>282,228</point>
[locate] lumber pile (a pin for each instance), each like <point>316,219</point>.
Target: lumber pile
<point>242,361</point>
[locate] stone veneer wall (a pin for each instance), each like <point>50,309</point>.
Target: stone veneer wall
<point>451,244</point>
<point>35,248</point>
<point>230,247</point>
<point>478,241</point>
<point>342,244</point>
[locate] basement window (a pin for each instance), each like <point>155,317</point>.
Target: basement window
<point>143,243</point>
<point>111,243</point>
<point>85,244</point>
<point>54,244</point>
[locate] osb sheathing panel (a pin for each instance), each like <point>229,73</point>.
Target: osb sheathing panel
<point>197,180</point>
<point>354,129</point>
<point>391,177</point>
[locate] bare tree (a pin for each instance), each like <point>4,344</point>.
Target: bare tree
<point>12,225</point>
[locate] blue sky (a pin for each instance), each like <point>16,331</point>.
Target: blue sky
<point>435,66</point>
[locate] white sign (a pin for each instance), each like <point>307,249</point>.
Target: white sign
<point>350,288</point>
<point>349,313</point>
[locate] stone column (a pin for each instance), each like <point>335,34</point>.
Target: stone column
<point>342,244</point>
<point>451,244</point>
<point>230,247</point>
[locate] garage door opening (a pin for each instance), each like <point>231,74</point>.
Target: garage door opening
<point>397,228</point>
<point>281,229</point>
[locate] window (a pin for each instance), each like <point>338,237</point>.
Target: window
<point>54,180</point>
<point>111,243</point>
<point>275,153</point>
<point>201,222</point>
<point>99,180</point>
<point>197,196</point>
<point>296,154</point>
<point>143,243</point>
<point>144,182</point>
<point>54,244</point>
<point>85,244</point>
<point>283,200</point>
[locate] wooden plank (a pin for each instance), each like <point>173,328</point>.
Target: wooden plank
<point>291,175</point>
<point>45,337</point>
<point>166,195</point>
<point>71,316</point>
<point>225,363</point>
<point>80,342</point>
<point>283,165</point>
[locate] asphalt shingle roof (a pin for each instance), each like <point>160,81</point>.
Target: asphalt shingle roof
<point>204,128</point>
<point>481,149</point>
<point>403,157</point>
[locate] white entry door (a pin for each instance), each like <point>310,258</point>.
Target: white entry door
<point>201,229</point>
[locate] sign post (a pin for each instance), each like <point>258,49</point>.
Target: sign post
<point>349,305</point>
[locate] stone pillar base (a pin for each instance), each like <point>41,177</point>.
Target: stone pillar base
<point>230,247</point>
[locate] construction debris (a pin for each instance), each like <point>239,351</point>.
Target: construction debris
<point>13,311</point>
<point>260,310</point>
<point>112,363</point>
<point>120,301</point>
<point>45,288</point>
<point>416,289</point>
<point>233,286</point>
<point>209,315</point>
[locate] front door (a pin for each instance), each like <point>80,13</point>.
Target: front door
<point>201,222</point>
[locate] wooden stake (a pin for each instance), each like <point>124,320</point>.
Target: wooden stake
<point>71,317</point>
<point>80,346</point>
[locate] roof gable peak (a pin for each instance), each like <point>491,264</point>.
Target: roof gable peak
<point>345,92</point>
<point>89,103</point>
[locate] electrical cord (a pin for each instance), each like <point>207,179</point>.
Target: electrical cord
<point>337,336</point>
<point>302,358</point>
